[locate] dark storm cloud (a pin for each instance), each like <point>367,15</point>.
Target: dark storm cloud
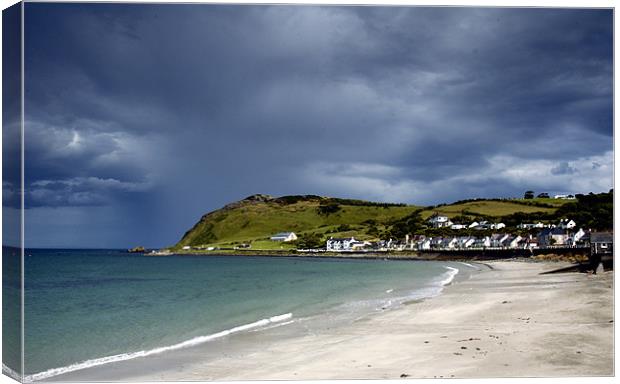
<point>563,169</point>
<point>198,105</point>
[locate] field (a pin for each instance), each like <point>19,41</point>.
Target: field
<point>494,208</point>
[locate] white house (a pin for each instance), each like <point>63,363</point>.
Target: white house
<point>466,241</point>
<point>482,242</point>
<point>567,224</point>
<point>450,243</point>
<point>553,236</point>
<point>357,245</point>
<point>458,226</point>
<point>498,239</point>
<point>284,236</point>
<point>341,244</point>
<point>513,242</point>
<point>530,225</point>
<point>424,244</point>
<point>436,242</point>
<point>186,248</point>
<point>439,221</point>
<point>474,224</point>
<point>564,197</point>
<point>483,225</point>
<point>574,238</point>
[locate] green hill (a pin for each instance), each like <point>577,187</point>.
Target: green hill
<point>255,218</point>
<point>315,218</point>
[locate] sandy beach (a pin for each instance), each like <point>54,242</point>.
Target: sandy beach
<point>510,321</point>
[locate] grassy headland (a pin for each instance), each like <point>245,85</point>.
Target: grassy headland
<point>256,218</point>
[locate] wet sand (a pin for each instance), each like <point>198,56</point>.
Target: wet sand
<point>507,322</point>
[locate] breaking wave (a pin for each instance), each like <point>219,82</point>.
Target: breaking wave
<point>128,356</point>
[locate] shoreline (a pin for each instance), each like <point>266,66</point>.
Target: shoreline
<point>575,255</point>
<point>509,321</point>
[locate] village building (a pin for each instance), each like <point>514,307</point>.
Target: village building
<point>450,243</point>
<point>567,224</point>
<point>577,238</point>
<point>552,236</point>
<point>436,242</point>
<point>532,242</point>
<point>458,226</point>
<point>341,244</point>
<point>359,245</point>
<point>513,241</point>
<point>602,243</point>
<point>466,241</point>
<point>482,242</point>
<point>439,221</point>
<point>284,237</point>
<point>483,225</point>
<point>564,197</point>
<point>497,239</point>
<point>601,250</point>
<point>424,244</point>
<point>530,225</point>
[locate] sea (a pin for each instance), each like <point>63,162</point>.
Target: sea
<point>101,308</point>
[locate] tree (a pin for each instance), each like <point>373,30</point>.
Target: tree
<point>343,228</point>
<point>528,195</point>
<point>407,225</point>
<point>327,209</point>
<point>373,231</point>
<point>310,240</point>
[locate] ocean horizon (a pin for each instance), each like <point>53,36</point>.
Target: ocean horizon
<point>92,307</point>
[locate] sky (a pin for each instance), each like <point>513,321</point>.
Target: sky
<point>141,118</point>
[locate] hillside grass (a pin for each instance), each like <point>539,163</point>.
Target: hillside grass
<point>494,208</point>
<point>257,222</point>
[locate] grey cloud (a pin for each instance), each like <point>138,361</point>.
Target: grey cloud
<point>563,169</point>
<point>81,191</point>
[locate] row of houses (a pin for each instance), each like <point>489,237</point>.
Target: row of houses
<point>439,221</point>
<point>548,237</point>
<point>563,224</point>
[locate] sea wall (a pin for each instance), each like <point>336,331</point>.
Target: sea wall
<point>495,254</point>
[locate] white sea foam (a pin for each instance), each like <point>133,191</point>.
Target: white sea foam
<point>276,325</point>
<point>471,266</point>
<point>449,276</point>
<point>10,372</point>
<point>128,356</point>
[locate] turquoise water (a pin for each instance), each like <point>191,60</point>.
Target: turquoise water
<point>86,308</point>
